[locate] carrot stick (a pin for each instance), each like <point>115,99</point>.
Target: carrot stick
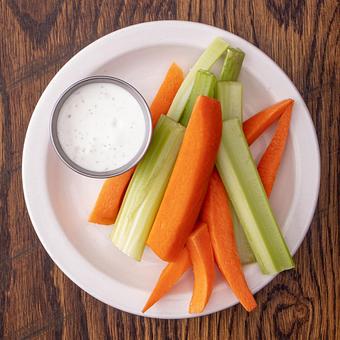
<point>257,124</point>
<point>189,180</point>
<point>113,190</point>
<point>271,159</point>
<point>169,277</point>
<point>110,198</point>
<point>166,93</point>
<point>202,258</point>
<point>217,215</point>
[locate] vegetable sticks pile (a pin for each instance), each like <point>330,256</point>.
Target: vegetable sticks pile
<point>189,212</point>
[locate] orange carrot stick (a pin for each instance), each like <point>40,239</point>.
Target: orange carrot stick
<point>166,93</point>
<point>113,190</point>
<point>110,198</point>
<point>202,258</point>
<point>257,124</point>
<point>189,180</point>
<point>216,214</point>
<point>169,277</point>
<point>271,159</point>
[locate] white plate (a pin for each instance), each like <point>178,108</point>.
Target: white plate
<point>59,200</point>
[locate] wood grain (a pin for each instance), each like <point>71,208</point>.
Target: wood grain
<point>36,38</point>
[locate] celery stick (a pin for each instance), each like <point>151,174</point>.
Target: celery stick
<point>232,64</point>
<point>146,189</point>
<point>239,174</point>
<point>229,93</point>
<point>205,61</point>
<point>204,85</point>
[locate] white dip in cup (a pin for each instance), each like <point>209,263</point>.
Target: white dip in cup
<point>101,127</point>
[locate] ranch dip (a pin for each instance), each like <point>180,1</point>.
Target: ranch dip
<point>101,127</point>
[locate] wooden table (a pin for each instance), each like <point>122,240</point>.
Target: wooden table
<point>36,299</point>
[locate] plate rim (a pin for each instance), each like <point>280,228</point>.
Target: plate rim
<point>136,27</point>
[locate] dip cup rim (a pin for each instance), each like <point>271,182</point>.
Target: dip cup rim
<point>54,129</point>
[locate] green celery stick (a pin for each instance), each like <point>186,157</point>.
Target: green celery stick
<point>229,93</point>
<point>146,189</point>
<point>242,181</point>
<point>204,85</point>
<point>232,64</point>
<point>205,61</point>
